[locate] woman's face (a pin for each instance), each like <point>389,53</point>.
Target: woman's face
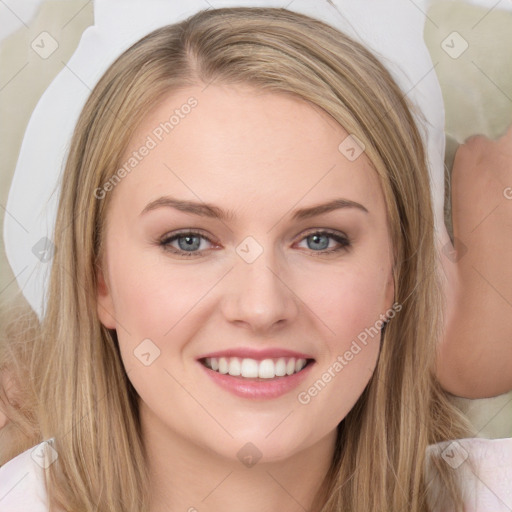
<point>246,234</point>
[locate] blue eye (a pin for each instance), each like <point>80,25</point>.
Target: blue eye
<point>321,239</point>
<point>189,242</point>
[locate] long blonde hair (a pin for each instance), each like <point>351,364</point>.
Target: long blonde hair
<point>85,400</point>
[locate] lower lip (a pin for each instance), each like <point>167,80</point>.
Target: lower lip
<point>252,388</point>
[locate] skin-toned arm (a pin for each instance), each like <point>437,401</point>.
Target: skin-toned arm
<point>475,355</point>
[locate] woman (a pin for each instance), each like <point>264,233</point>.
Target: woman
<point>282,356</point>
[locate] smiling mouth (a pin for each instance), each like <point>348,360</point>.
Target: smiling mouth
<point>248,368</point>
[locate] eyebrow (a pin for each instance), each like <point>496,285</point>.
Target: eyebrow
<point>209,210</point>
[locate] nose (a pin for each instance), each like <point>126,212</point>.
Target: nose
<point>259,297</point>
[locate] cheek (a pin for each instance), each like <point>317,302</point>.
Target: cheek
<point>152,306</point>
<point>151,302</point>
<point>348,302</point>
<point>150,297</point>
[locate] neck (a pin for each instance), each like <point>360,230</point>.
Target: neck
<point>191,478</point>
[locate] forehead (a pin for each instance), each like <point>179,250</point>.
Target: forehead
<point>239,146</point>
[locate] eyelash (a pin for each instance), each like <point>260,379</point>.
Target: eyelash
<point>166,241</point>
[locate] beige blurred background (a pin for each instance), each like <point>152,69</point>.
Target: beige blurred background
<point>477,90</point>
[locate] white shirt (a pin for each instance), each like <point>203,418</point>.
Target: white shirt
<point>22,485</point>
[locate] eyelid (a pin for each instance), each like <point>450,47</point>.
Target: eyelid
<point>323,231</point>
<point>340,237</point>
<point>186,231</point>
<point>165,240</point>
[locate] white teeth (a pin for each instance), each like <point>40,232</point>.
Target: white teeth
<point>223,365</point>
<point>234,366</point>
<point>267,369</point>
<point>281,367</point>
<point>251,368</point>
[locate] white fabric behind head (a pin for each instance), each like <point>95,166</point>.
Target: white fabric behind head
<point>393,29</point>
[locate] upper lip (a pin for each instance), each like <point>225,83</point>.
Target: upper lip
<point>258,354</point>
